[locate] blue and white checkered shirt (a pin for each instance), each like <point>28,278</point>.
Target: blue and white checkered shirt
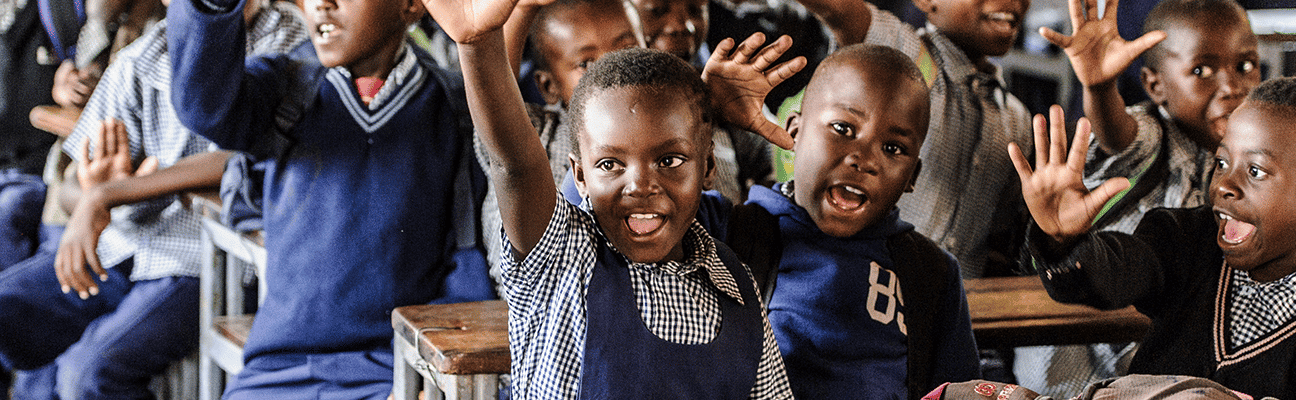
<point>677,301</point>
<point>136,89</point>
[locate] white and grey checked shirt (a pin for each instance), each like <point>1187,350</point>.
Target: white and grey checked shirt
<point>161,234</point>
<point>967,181</point>
<point>1189,173</point>
<point>677,301</point>
<point>1259,308</point>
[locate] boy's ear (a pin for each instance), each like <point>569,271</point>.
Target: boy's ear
<point>414,10</point>
<point>1152,85</point>
<point>793,125</point>
<point>708,177</point>
<point>548,86</point>
<point>926,6</point>
<point>578,174</point>
<point>913,180</point>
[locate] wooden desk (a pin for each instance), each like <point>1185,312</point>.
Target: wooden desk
<point>460,350</point>
<point>55,119</point>
<point>1017,311</point>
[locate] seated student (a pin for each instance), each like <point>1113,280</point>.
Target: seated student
<point>360,196</point>
<point>1216,280</point>
<point>629,297</point>
<point>906,329</point>
<point>566,37</point>
<point>131,251</point>
<point>1196,77</point>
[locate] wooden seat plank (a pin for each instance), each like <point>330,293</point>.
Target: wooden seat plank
<point>460,338</point>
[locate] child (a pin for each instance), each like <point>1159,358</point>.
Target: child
<point>1201,71</point>
<point>1216,280</point>
<point>863,120</point>
<point>566,36</point>
<point>632,297</point>
<point>137,312</point>
<point>359,200</point>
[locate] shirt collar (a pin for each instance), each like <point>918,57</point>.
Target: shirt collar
<point>699,255</point>
<point>405,64</point>
<point>956,62</point>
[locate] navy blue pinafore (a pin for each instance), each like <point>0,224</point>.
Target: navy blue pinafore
<point>624,360</point>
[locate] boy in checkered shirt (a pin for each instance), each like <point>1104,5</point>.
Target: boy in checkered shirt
<point>630,296</point>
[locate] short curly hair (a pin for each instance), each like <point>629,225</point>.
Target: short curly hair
<point>1277,91</point>
<point>639,67</point>
<point>1171,12</point>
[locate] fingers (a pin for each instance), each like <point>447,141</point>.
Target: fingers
<point>1096,199</point>
<point>1055,37</point>
<point>785,70</point>
<point>722,50</point>
<point>149,166</point>
<point>1041,140</point>
<point>1109,11</point>
<point>1057,135</point>
<point>122,141</point>
<point>1019,162</point>
<point>1079,147</point>
<point>1076,9</point>
<point>771,53</point>
<point>70,269</point>
<point>108,139</point>
<point>1145,42</point>
<point>774,133</point>
<point>1091,10</point>
<point>748,48</point>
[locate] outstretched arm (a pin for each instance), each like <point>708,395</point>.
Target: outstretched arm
<point>1054,190</point>
<point>519,164</point>
<point>1098,56</point>
<point>848,20</point>
<point>739,80</point>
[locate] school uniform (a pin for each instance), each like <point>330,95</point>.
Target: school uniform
<point>839,311</point>
<point>145,316</point>
<point>586,322</point>
<point>357,200</point>
<point>1208,320</point>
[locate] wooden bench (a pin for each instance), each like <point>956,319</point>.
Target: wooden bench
<point>223,326</point>
<point>1017,311</point>
<point>459,350</point>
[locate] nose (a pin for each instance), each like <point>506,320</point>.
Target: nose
<point>320,5</point>
<point>863,161</point>
<point>1232,84</point>
<point>679,22</point>
<point>641,182</point>
<point>1225,186</point>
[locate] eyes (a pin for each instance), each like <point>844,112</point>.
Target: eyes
<point>1253,171</point>
<point>616,165</point>
<point>1208,72</point>
<point>848,131</point>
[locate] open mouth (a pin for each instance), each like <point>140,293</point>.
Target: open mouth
<point>1234,231</point>
<point>846,198</point>
<point>325,30</point>
<point>643,224</point>
<point>1004,21</point>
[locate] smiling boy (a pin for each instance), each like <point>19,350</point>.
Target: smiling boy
<point>629,297</point>
<point>360,197</point>
<point>1217,281</point>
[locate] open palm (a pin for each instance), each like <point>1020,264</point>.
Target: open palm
<point>739,80</point>
<point>1054,191</point>
<point>1097,52</point>
<point>467,20</point>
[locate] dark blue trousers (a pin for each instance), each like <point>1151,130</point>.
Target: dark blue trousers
<point>22,198</point>
<point>106,347</point>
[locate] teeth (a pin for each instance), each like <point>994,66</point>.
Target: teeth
<point>853,190</point>
<point>643,216</point>
<point>1224,217</point>
<point>326,29</point>
<point>1003,16</point>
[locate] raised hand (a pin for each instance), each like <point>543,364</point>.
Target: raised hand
<point>1097,52</point>
<point>1054,191</point>
<point>740,79</point>
<point>111,160</point>
<point>72,87</point>
<point>467,20</point>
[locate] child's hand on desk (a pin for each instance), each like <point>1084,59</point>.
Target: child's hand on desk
<point>111,160</point>
<point>1054,191</point>
<point>1097,52</point>
<point>465,21</point>
<point>740,79</point>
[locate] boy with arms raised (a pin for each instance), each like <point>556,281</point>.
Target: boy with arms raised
<point>861,298</point>
<point>1200,62</point>
<point>360,197</point>
<point>1216,279</point>
<point>632,297</point>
